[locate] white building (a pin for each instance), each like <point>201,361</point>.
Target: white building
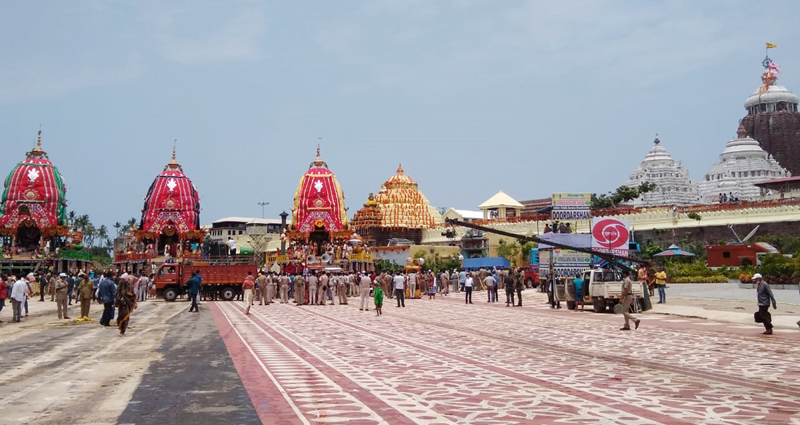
<point>742,164</point>
<point>673,185</point>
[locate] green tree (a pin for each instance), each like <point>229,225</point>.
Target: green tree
<point>118,227</point>
<point>621,195</point>
<point>509,251</point>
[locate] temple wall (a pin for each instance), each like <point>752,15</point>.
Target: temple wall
<point>711,227</point>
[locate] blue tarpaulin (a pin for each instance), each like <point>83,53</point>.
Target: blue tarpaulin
<point>486,263</point>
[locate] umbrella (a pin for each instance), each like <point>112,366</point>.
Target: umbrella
<point>674,251</point>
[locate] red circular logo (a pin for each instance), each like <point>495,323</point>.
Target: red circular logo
<point>610,234</point>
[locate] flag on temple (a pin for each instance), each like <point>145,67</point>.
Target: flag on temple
<point>771,46</point>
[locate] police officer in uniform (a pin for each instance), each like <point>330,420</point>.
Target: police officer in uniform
<point>299,289</point>
<point>284,282</point>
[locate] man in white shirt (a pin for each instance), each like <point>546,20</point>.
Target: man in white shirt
<point>400,289</point>
<point>468,288</point>
<point>18,298</point>
<point>232,245</point>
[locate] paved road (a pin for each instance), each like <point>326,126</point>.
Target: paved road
<point>446,362</point>
<point>433,362</point>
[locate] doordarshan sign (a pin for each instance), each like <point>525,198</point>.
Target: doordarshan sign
<point>571,206</point>
<point>610,235</point>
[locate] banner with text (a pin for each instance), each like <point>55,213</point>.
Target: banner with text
<point>566,262</point>
<point>610,235</point>
<point>571,206</point>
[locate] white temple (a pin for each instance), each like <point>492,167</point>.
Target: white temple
<point>742,164</point>
<point>673,185</point>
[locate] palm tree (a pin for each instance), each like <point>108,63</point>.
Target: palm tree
<point>118,226</point>
<point>71,219</point>
<point>89,234</point>
<point>130,225</point>
<point>102,233</point>
<point>81,222</point>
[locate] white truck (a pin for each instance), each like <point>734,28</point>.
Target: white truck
<point>602,289</point>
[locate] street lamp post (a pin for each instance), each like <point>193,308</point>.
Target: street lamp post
<point>283,215</point>
<point>263,204</point>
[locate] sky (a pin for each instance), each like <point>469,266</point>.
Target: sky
<point>470,96</point>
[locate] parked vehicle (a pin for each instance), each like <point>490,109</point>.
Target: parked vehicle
<point>601,289</point>
<point>531,276</point>
<point>223,280</point>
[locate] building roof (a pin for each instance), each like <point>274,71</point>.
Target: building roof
<point>741,165</point>
<point>673,185</point>
<point>172,202</point>
<point>472,215</point>
<point>500,199</point>
<point>248,220</point>
<point>34,192</point>
<point>773,94</point>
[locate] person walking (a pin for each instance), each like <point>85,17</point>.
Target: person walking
<point>386,284</point>
<point>106,291</point>
<point>193,285</point>
<point>661,285</point>
<point>454,280</point>
<point>764,297</point>
<point>378,299</point>
<point>444,282</point>
<point>18,298</point>
<point>468,282</point>
<point>399,289</point>
<point>299,289</point>
<point>85,293</point>
<point>72,281</point>
<point>62,295</point>
<point>462,279</point>
<point>125,303</point>
<point>364,284</point>
<point>248,286</point>
<point>627,300</point>
<point>518,283</point>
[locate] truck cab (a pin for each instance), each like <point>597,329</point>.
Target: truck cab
<point>602,288</point>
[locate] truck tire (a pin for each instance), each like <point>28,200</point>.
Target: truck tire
<point>617,309</point>
<point>170,294</point>
<point>598,305</point>
<point>529,283</point>
<point>227,293</point>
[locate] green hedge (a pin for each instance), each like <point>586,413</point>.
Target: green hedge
<point>700,279</point>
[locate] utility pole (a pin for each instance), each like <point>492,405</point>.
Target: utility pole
<point>263,204</point>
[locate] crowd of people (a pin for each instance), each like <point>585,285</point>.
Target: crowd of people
<point>326,288</point>
<point>113,290</point>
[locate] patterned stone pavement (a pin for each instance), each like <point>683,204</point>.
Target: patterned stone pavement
<point>443,362</point>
